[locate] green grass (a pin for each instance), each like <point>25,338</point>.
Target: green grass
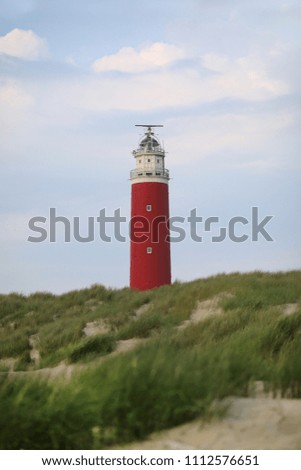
<point>92,347</point>
<point>173,377</point>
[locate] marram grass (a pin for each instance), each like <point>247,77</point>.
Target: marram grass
<point>174,376</point>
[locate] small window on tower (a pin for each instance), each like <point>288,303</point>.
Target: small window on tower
<point>158,160</point>
<point>148,208</point>
<point>148,160</point>
<point>149,250</point>
<point>139,161</point>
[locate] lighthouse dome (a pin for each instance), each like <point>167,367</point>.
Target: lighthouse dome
<point>149,142</point>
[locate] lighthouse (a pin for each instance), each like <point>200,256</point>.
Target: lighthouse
<point>149,228</point>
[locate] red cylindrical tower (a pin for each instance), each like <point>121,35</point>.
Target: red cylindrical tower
<point>150,246</point>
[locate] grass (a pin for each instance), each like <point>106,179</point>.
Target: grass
<point>91,347</point>
<point>172,378</point>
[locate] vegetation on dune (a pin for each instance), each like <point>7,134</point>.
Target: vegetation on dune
<point>173,377</point>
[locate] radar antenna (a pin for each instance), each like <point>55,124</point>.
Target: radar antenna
<point>149,126</point>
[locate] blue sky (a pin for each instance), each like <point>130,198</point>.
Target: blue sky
<point>224,79</point>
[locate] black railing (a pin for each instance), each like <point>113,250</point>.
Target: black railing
<point>149,149</point>
<point>145,173</point>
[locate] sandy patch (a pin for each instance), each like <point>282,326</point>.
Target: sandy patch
<point>34,352</point>
<point>65,371</point>
<point>93,304</point>
<point>289,309</point>
<point>250,423</point>
<point>8,363</point>
<point>143,309</point>
<point>94,328</point>
<point>60,371</point>
<point>128,345</point>
<point>205,309</point>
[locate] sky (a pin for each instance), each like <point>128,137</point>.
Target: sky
<point>222,76</point>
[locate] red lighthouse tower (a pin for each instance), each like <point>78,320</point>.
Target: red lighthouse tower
<point>150,247</point>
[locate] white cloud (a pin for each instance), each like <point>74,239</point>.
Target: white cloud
<point>246,79</point>
<point>131,60</point>
<point>24,44</point>
<point>12,95</point>
<point>215,62</point>
<point>16,106</point>
<point>47,105</point>
<point>240,135</point>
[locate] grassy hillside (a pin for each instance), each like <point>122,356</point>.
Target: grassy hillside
<point>172,377</point>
